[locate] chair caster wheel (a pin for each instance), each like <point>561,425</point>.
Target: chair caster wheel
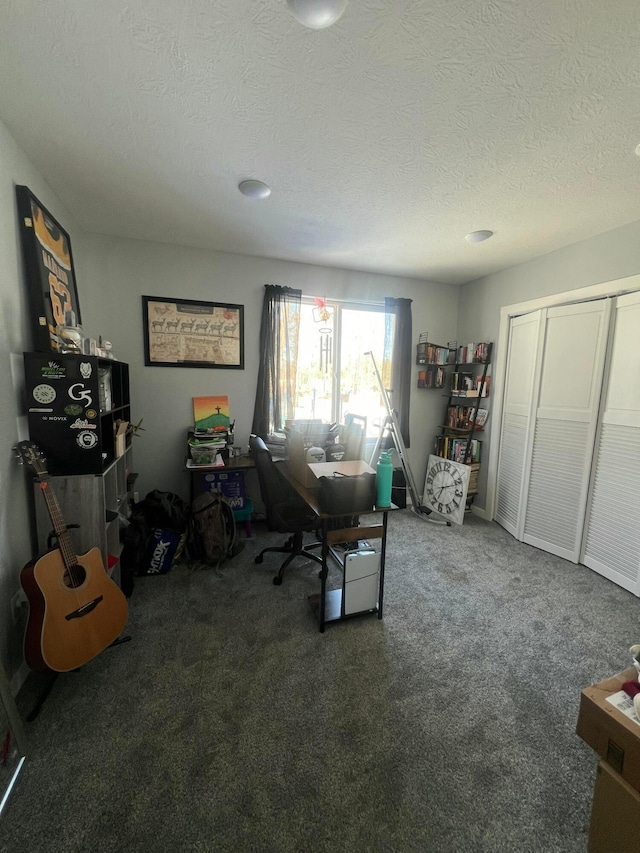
<point>277,581</point>
<point>259,558</point>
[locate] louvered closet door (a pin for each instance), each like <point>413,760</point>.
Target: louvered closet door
<point>612,530</point>
<point>565,425</point>
<point>515,439</point>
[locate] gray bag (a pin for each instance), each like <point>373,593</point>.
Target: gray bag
<point>212,530</point>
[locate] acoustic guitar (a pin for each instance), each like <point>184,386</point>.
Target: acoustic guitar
<point>75,609</point>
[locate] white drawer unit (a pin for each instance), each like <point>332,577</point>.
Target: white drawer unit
<point>361,581</point>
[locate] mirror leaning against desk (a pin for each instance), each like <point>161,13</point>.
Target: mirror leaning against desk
<point>13,748</point>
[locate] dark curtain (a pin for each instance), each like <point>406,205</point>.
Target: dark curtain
<point>401,361</point>
<point>278,359</point>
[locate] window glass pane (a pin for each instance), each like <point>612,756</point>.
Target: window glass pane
<point>326,393</point>
<point>314,390</point>
<point>363,332</point>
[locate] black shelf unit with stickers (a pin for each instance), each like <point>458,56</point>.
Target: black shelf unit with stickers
<point>74,406</point>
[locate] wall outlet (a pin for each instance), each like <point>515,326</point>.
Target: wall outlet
<point>19,604</point>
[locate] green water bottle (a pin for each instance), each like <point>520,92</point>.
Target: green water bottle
<point>384,479</point>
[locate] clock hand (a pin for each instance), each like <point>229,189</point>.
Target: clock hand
<point>442,488</point>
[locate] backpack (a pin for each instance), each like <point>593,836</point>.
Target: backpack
<point>212,530</point>
<point>153,537</point>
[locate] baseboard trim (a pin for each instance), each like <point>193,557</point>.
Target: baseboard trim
<point>480,512</point>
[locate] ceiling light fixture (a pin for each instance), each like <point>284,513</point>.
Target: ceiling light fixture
<point>638,150</point>
<point>478,236</point>
<point>317,14</point>
<point>254,189</point>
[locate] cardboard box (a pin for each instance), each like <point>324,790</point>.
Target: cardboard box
<point>301,435</point>
<point>615,814</point>
<point>298,442</point>
<point>311,471</point>
<point>121,437</point>
<point>613,735</point>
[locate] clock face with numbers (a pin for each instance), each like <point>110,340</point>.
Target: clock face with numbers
<point>445,488</point>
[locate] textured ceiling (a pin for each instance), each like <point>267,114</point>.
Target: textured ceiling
<point>385,138</point>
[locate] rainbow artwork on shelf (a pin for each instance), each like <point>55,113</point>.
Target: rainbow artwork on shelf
<point>210,413</point>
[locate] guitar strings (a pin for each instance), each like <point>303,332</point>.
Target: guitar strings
<point>65,546</point>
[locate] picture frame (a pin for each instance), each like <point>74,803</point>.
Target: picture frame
<point>49,270</point>
<point>192,333</point>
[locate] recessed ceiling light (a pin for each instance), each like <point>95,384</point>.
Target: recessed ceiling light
<point>638,150</point>
<point>254,189</point>
<point>316,14</point>
<point>478,236</point>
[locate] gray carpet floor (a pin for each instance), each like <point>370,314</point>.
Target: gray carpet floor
<point>229,723</point>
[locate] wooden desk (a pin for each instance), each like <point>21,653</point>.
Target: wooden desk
<point>329,605</point>
<point>234,463</point>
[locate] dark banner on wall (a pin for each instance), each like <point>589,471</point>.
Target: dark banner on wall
<point>48,264</point>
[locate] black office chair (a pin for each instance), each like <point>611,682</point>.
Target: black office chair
<point>286,511</point>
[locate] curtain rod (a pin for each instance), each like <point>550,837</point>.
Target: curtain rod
<point>372,303</point>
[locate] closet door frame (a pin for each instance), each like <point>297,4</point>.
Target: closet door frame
<point>616,287</point>
<point>564,415</point>
<point>523,410</point>
<point>614,418</point>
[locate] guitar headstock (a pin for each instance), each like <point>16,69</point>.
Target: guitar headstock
<point>29,454</point>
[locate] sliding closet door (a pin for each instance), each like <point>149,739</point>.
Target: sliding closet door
<point>523,363</point>
<point>565,425</point>
<point>612,537</point>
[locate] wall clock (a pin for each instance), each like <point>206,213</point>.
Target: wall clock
<point>445,488</point>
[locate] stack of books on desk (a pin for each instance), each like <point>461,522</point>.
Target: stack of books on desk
<point>207,449</point>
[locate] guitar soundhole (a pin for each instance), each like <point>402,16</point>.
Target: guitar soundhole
<point>75,577</point>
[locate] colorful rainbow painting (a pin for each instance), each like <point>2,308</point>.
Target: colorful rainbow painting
<point>210,413</point>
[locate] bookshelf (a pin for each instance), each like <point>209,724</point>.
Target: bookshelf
<point>467,411</point>
<point>432,359</point>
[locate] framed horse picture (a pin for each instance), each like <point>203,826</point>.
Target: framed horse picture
<point>181,333</point>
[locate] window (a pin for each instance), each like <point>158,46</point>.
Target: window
<point>335,373</point>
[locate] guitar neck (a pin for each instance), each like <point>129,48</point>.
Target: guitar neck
<point>59,525</point>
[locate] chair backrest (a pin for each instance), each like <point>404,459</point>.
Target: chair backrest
<point>274,489</point>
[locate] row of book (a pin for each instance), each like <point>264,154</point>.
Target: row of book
<point>434,378</point>
<point>473,352</point>
<point>463,417</point>
<point>456,448</point>
<point>469,385</point>
<point>431,353</point>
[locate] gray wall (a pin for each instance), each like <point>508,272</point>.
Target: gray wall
<point>121,271</point>
<point>112,275</point>
<point>609,256</point>
<point>16,546</point>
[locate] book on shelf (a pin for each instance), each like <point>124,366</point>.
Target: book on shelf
<point>429,353</point>
<point>480,417</point>
<point>433,378</point>
<point>455,449</point>
<point>462,387</point>
<point>472,353</point>
<point>463,417</point>
<point>462,382</point>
